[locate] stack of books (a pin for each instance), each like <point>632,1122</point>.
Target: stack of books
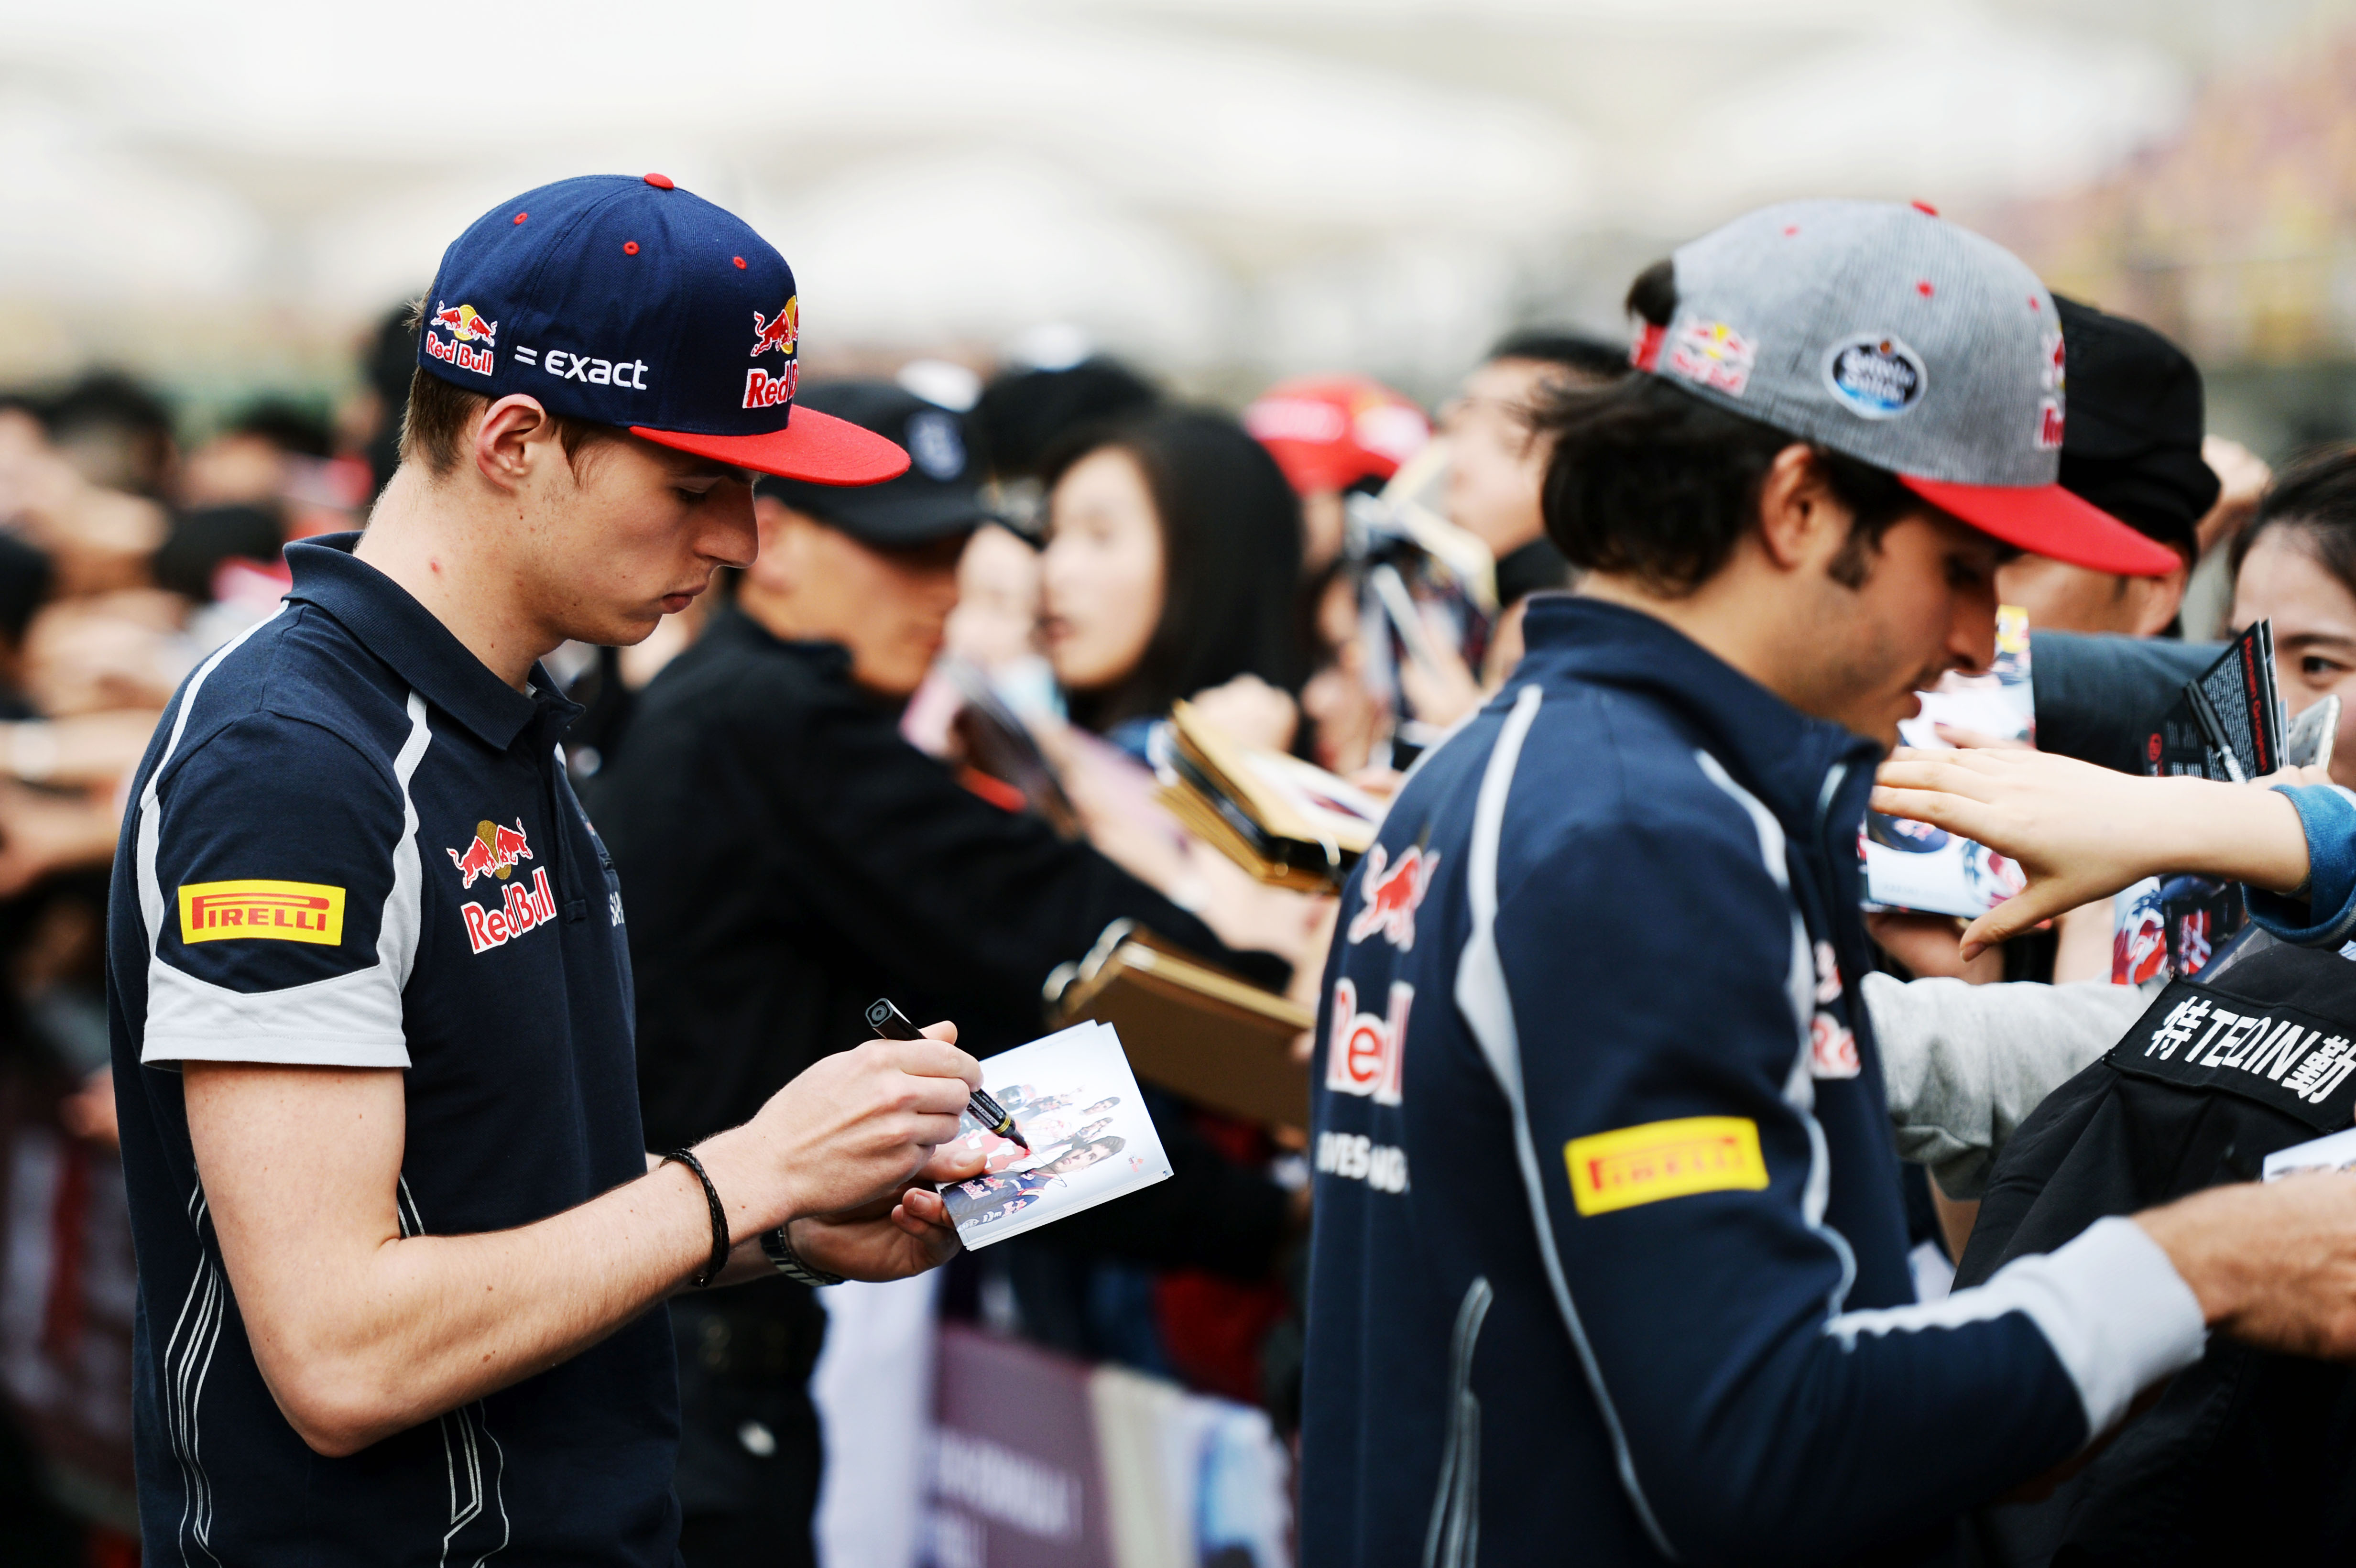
<point>1285,821</point>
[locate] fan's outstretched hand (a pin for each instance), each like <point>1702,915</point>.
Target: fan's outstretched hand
<point>2080,832</point>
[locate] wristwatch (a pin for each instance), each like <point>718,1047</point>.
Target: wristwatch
<point>778,1248</point>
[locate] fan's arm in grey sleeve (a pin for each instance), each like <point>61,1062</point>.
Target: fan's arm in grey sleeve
<point>1966,1064</point>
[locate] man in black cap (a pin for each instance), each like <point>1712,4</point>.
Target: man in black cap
<point>2133,448</point>
<point>791,857</point>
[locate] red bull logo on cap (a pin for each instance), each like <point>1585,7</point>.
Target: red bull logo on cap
<point>466,326</point>
<point>778,333</point>
<point>1393,894</point>
<point>775,334</point>
<point>492,853</point>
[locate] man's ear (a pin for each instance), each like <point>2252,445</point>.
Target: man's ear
<point>1799,519</point>
<point>513,434</point>
<point>2163,597</point>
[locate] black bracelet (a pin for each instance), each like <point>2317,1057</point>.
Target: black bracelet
<point>778,1246</point>
<point>720,1243</point>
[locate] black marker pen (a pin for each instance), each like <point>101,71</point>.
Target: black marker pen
<point>890,1023</point>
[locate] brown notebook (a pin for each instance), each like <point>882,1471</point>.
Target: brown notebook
<point>1285,821</point>
<point>1196,1030</point>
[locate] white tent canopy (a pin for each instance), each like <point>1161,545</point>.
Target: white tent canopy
<point>1267,182</point>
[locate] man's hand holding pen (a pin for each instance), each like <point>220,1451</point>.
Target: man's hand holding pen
<point>846,1153</point>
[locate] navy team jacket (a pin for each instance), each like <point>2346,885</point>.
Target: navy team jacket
<point>1610,1264</point>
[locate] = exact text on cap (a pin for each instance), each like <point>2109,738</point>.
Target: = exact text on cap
<point>628,302</point>
<point>1898,338</point>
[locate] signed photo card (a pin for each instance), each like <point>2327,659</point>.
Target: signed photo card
<point>1073,1100</point>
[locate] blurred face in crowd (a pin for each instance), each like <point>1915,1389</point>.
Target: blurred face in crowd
<point>2315,629</point>
<point>997,616</point>
<point>623,534</point>
<point>1101,577</point>
<point>890,608</point>
<point>1496,466</point>
<point>1346,717</point>
<point>2060,597</point>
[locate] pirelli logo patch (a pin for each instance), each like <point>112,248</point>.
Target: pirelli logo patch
<point>275,911</point>
<point>1630,1166</point>
<point>2199,1039</point>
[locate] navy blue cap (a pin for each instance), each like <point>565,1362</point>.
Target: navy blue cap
<point>627,302</point>
<point>939,496</point>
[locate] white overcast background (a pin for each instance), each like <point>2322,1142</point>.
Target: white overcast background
<point>229,192</point>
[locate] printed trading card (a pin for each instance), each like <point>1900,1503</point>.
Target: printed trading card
<point>1911,865</point>
<point>2334,1151</point>
<point>2172,926</point>
<point>1074,1099</point>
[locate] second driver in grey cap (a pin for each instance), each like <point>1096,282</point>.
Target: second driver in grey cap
<point>1610,1257</point>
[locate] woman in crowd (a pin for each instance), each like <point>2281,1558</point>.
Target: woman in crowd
<point>1170,572</point>
<point>1173,547</point>
<point>2297,564</point>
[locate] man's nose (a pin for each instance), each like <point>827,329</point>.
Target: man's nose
<point>734,539</point>
<point>1971,634</point>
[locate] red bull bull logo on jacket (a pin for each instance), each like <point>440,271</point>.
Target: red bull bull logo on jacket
<point>466,328</point>
<point>1392,895</point>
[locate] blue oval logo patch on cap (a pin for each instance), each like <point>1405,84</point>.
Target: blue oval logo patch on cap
<point>936,446</point>
<point>1874,376</point>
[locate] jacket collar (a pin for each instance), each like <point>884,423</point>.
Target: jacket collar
<point>1778,754</point>
<point>396,628</point>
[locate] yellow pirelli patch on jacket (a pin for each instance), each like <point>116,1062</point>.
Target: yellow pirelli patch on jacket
<point>277,912</point>
<point>1630,1166</point>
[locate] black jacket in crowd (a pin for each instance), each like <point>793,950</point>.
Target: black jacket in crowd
<point>2246,1457</point>
<point>786,858</point>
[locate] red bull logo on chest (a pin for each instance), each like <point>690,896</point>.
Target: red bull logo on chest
<point>492,853</point>
<point>1367,1052</point>
<point>523,909</point>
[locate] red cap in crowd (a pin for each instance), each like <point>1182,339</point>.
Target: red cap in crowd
<point>1327,432</point>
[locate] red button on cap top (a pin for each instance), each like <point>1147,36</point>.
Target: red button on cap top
<point>661,182</point>
<point>1918,206</point>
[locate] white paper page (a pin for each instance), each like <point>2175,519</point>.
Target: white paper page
<point>1072,1096</point>
<point>2333,1151</point>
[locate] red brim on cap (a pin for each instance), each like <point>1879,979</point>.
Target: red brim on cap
<point>813,446</point>
<point>2046,519</point>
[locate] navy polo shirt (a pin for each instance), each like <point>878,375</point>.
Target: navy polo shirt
<point>352,845</point>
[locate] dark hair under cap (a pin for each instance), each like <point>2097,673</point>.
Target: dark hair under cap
<point>2132,444</point>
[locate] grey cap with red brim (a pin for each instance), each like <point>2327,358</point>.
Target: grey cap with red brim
<point>1893,336</point>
